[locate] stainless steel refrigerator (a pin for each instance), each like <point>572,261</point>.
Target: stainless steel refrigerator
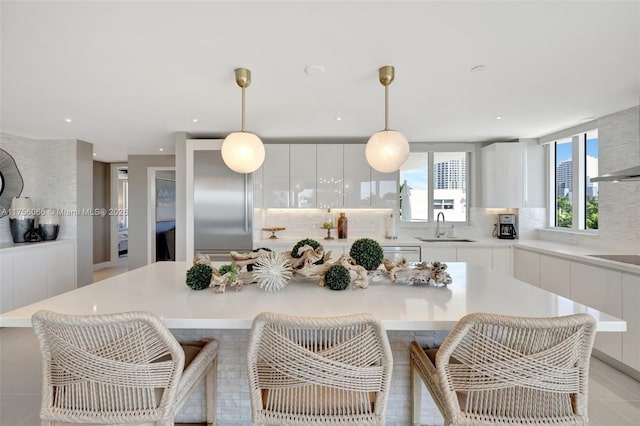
<point>222,207</point>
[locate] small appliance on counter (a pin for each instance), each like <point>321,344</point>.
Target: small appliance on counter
<point>507,226</point>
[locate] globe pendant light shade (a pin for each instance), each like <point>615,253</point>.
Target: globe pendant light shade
<point>243,152</point>
<point>387,151</point>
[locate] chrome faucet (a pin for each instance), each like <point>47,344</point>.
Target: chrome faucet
<point>438,232</point>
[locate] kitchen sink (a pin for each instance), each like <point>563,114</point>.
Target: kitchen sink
<point>633,259</point>
<point>445,240</point>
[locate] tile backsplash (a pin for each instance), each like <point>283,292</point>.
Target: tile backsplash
<point>300,223</point>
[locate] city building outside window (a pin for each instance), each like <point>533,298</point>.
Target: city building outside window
<point>424,194</point>
<point>575,161</point>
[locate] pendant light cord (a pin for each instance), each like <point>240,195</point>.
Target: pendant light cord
<point>242,110</point>
<point>386,107</point>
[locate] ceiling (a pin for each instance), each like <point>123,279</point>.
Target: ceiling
<point>130,74</point>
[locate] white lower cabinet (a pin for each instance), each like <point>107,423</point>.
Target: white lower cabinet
<point>502,260</point>
<point>61,269</point>
<point>32,273</point>
<point>600,288</point>
<point>555,275</point>
<point>6,282</point>
<point>482,256</point>
<point>631,314</point>
<point>29,276</point>
<point>526,266</point>
<point>441,254</point>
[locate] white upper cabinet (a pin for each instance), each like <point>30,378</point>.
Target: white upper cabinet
<point>302,176</point>
<point>321,176</point>
<point>503,174</point>
<point>275,176</point>
<point>384,189</point>
<point>330,179</point>
<point>357,177</point>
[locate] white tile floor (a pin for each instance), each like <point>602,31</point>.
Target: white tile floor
<point>614,399</point>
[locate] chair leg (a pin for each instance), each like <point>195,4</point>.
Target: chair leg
<point>416,395</point>
<point>210,393</point>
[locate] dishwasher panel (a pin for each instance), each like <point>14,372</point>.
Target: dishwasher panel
<point>411,253</point>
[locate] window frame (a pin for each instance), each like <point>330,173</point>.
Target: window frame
<point>579,180</point>
<point>431,149</point>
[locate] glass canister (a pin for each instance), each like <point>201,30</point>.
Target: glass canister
<point>343,224</point>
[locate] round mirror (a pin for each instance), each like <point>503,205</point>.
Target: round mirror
<point>11,182</point>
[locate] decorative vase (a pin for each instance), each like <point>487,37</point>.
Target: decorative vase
<point>21,218</point>
<point>49,224</point>
<point>343,224</point>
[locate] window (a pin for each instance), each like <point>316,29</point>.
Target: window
<point>434,182</point>
<point>575,161</point>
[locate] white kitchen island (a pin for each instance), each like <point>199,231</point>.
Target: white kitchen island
<point>408,312</point>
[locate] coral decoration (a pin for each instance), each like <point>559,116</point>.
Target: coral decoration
<point>272,272</point>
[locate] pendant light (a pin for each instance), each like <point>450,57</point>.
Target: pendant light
<point>387,150</point>
<point>242,151</point>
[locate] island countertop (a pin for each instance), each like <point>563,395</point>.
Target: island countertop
<point>160,288</point>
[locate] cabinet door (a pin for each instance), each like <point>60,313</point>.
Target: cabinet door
<point>504,180</point>
<point>482,256</point>
<point>330,179</point>
<point>357,177</point>
<point>275,176</point>
<point>6,282</point>
<point>256,177</point>
<point>29,276</point>
<point>631,314</point>
<point>526,266</point>
<point>555,275</point>
<point>61,268</point>
<point>502,260</point>
<point>384,189</point>
<point>601,289</point>
<point>441,254</point>
<point>302,176</point>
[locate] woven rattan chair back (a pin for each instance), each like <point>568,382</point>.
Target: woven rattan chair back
<point>120,368</point>
<point>494,369</point>
<point>306,370</point>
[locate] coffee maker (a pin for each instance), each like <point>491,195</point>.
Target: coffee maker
<point>507,226</point>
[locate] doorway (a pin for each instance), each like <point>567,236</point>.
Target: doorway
<point>161,214</point>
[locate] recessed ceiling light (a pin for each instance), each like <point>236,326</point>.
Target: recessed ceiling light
<point>498,117</point>
<point>478,68</point>
<point>94,154</point>
<point>338,118</point>
<point>161,149</point>
<point>314,70</point>
<point>68,120</point>
<point>195,120</point>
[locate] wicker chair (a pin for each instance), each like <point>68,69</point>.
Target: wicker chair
<point>305,370</point>
<point>496,370</point>
<point>120,368</point>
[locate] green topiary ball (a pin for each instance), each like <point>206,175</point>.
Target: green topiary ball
<point>367,253</point>
<point>306,242</point>
<point>199,276</point>
<point>337,277</point>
